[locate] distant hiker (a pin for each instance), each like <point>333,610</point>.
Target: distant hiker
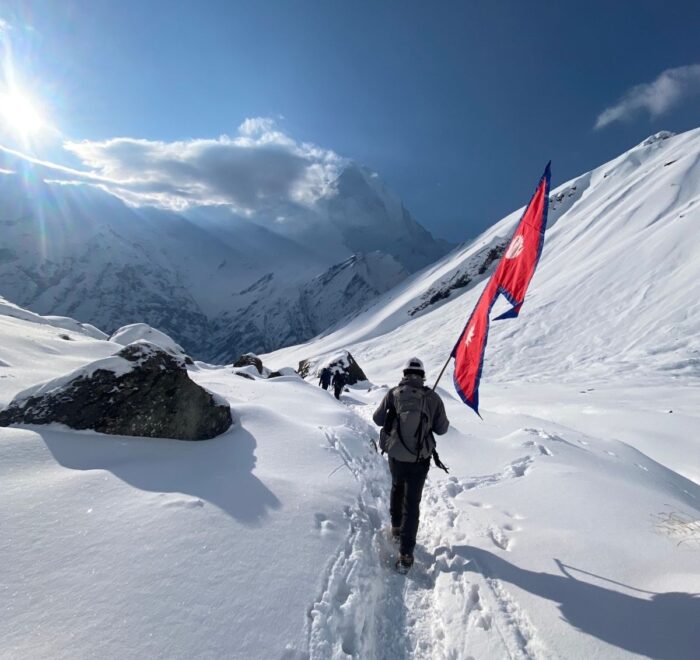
<point>409,414</point>
<point>325,380</point>
<point>339,380</point>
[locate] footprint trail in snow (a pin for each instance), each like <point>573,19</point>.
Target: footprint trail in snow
<point>447,606</point>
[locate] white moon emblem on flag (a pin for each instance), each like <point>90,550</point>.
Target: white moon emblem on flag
<point>516,247</point>
<point>469,337</point>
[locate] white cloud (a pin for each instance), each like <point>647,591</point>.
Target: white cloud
<point>656,97</point>
<point>255,170</point>
<point>256,125</point>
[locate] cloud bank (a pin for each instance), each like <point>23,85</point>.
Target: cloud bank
<point>257,169</point>
<point>656,97</point>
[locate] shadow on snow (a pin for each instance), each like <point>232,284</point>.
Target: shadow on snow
<point>659,625</point>
<point>218,471</point>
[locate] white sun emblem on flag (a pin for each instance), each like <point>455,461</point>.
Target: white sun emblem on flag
<point>516,247</point>
<point>469,337</point>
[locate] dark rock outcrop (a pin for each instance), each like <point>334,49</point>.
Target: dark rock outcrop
<point>249,359</point>
<point>284,371</point>
<point>342,361</point>
<point>348,364</point>
<point>472,269</point>
<point>141,391</point>
<point>304,368</point>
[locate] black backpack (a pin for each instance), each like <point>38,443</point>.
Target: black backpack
<point>410,416</point>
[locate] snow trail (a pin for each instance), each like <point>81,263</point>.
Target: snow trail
<point>447,606</point>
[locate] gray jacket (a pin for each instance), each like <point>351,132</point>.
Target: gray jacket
<point>434,408</point>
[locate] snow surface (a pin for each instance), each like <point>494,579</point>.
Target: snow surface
<point>10,309</point>
<point>569,526</point>
<point>128,546</point>
<point>33,349</point>
<point>581,537</point>
<point>142,331</point>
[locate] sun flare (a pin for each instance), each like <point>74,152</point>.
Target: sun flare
<point>20,114</point>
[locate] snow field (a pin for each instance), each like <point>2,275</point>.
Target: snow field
<point>125,546</point>
<point>560,553</point>
<point>33,351</point>
<point>555,535</point>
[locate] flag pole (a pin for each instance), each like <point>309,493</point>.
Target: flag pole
<point>449,357</point>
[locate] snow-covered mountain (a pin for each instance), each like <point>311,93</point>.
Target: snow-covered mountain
<point>271,314</point>
<point>617,288</point>
<point>221,284</point>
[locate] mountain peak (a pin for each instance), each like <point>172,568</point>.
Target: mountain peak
<point>656,137</point>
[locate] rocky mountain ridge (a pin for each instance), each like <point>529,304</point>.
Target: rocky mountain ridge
<point>218,283</point>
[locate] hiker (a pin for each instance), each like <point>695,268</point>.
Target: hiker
<point>409,415</point>
<point>325,380</point>
<point>339,380</point>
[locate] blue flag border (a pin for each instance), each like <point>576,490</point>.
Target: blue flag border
<point>515,310</point>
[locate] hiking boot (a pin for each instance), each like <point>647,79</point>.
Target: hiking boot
<point>395,534</point>
<point>404,563</point>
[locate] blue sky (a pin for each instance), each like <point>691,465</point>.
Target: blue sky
<point>457,105</point>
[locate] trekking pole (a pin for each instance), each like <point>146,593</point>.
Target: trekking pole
<point>442,372</point>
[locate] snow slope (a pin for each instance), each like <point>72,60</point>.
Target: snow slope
<point>159,548</point>
<point>616,294</point>
<point>272,312</point>
<point>571,526</point>
<point>35,348</point>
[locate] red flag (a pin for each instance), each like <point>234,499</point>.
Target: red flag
<point>511,278</point>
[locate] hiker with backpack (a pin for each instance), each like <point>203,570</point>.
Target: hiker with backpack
<point>339,380</point>
<point>325,378</point>
<point>410,414</point>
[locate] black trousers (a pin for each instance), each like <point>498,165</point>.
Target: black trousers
<point>407,480</point>
<point>337,389</point>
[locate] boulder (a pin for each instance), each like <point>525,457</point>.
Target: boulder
<point>341,361</point>
<point>249,359</point>
<point>284,371</point>
<point>250,365</point>
<point>251,371</point>
<point>143,390</point>
<point>306,367</point>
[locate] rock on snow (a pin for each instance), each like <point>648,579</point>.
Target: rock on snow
<point>142,391</point>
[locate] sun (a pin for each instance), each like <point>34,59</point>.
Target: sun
<point>20,114</point>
